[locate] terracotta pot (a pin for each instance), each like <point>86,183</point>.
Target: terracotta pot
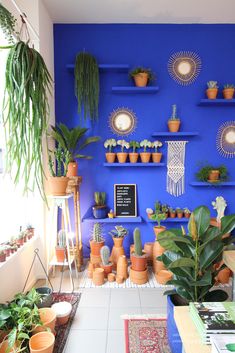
<point>213,175</point>
<point>224,275</point>
<point>3,334</point>
<point>158,230</point>
<point>4,347</point>
<point>48,319</point>
<point>107,269</point>
<point>95,260</point>
<point>61,254</point>
<point>163,276</point>
<point>117,251</point>
<point>145,157</point>
<point>187,215</point>
<point>98,276</point>
<point>228,93</point>
<point>119,279</point>
<point>156,157</point>
<point>158,250</point>
<point>132,248</point>
<point>212,93</point>
<point>110,157</point>
<point>141,79</point>
<point>172,214</point>
<point>58,185</point>
<point>7,252</point>
<point>2,257</point>
<point>148,249</point>
<point>72,169</point>
<point>42,342</point>
<point>90,269</point>
<point>122,267</point>
<point>173,125</point>
<point>139,277</point>
<point>133,157</point>
<point>138,263</point>
<point>63,311</point>
<point>180,214</point>
<point>122,157</point>
<point>95,247</point>
<point>111,277</point>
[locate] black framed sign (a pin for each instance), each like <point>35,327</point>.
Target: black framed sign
<point>125,204</point>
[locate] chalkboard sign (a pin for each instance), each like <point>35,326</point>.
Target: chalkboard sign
<point>125,200</point>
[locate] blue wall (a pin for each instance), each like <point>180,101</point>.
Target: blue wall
<point>150,46</point>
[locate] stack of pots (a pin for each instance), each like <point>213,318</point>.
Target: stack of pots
<point>122,267</point>
<point>148,250</point>
<point>138,270</point>
<point>158,250</point>
<point>96,243</point>
<point>117,251</point>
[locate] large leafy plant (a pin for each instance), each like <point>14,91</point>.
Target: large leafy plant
<point>191,258</point>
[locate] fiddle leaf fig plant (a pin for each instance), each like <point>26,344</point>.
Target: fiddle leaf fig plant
<point>191,257</point>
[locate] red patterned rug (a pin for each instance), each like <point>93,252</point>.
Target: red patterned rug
<point>146,335</point>
<point>62,331</point>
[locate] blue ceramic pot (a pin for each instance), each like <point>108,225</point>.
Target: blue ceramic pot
<point>174,339</point>
<point>100,211</point>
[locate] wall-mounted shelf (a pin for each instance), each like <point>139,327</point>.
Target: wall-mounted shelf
<point>107,67</point>
<point>202,183</point>
<point>217,102</point>
<point>170,220</point>
<point>175,134</point>
<point>133,89</point>
<point>134,165</point>
<point>113,220</point>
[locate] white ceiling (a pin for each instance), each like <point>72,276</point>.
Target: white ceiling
<point>141,11</point>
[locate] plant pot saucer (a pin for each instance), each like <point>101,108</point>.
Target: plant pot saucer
<point>213,181</point>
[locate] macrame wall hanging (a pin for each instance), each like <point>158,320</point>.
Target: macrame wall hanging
<point>175,167</point>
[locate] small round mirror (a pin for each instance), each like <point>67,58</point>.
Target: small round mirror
<point>122,121</point>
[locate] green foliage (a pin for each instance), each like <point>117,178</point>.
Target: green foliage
<point>139,70</point>
<point>62,238</point>
<point>100,198</point>
<point>118,232</point>
<point>97,232</point>
<point>134,145</point>
<point>145,143</point>
<point>203,173</point>
<point>72,140</point>
<point>228,85</point>
<point>137,242</point>
<point>212,84</point>
<point>60,167</point>
<point>159,217</point>
<point>7,24</point>
<point>87,88</point>
<point>174,113</point>
<point>26,111</point>
<point>105,254</point>
<point>191,257</point>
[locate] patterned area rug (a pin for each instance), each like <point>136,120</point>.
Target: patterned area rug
<point>146,335</point>
<point>62,331</point>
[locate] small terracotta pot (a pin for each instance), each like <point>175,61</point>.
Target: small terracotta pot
<point>117,251</point>
<point>110,157</point>
<point>122,157</point>
<point>224,275</point>
<point>212,93</point>
<point>158,230</point>
<point>158,250</point>
<point>173,125</point>
<point>95,260</point>
<point>145,157</point>
<point>158,266</point>
<point>141,79</point>
<point>228,93</point>
<point>148,249</point>
<point>48,319</point>
<point>72,169</point>
<point>213,175</point>
<point>119,279</point>
<point>98,276</point>
<point>111,277</point>
<point>163,276</point>
<point>58,185</point>
<point>30,232</point>
<point>3,334</point>
<point>180,214</point>
<point>42,342</point>
<point>133,157</point>
<point>107,269</point>
<point>139,277</point>
<point>122,267</point>
<point>156,157</point>
<point>95,247</point>
<point>138,263</point>
<point>187,215</point>
<point>172,214</point>
<point>2,257</point>
<point>60,254</point>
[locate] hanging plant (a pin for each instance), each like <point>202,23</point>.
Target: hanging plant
<point>86,74</point>
<point>7,24</point>
<point>26,111</point>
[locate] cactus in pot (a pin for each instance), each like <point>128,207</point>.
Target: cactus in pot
<point>212,90</point>
<point>97,240</point>
<point>60,250</point>
<point>138,271</point>
<point>106,264</point>
<point>174,120</point>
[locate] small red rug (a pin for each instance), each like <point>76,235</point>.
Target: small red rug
<point>146,335</point>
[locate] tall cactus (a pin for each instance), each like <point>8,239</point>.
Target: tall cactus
<point>137,242</point>
<point>97,233</point>
<point>62,238</point>
<point>105,254</point>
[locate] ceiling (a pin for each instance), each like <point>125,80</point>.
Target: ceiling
<point>141,11</point>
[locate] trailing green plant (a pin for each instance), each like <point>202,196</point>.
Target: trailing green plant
<point>212,84</point>
<point>203,173</point>
<point>26,111</point>
<point>118,232</point>
<point>87,88</point>
<point>58,168</point>
<point>137,242</point>
<point>110,143</point>
<point>97,233</point>
<point>105,254</point>
<point>100,198</point>
<point>62,238</point>
<point>191,257</point>
<point>174,113</point>
<point>123,144</point>
<point>7,24</point>
<point>228,86</point>
<point>158,217</point>
<point>134,145</point>
<point>156,145</point>
<point>145,143</point>
<point>72,140</point>
<point>140,70</point>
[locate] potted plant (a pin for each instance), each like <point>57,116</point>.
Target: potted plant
<point>158,217</point>
<point>179,212</point>
<point>106,264</point>
<point>110,156</point>
<point>145,156</point>
<point>212,90</point>
<point>58,181</point>
<point>118,234</point>
<point>60,249</point>
<point>165,209</point>
<point>97,240</point>
<point>20,239</point>
<point>157,248</point>
<point>228,91</point>
<point>100,210</point>
<point>174,121</point>
<point>122,156</point>
<point>73,141</point>
<point>209,173</point>
<point>29,231</point>
<point>138,271</point>
<point>2,254</point>
<point>149,212</point>
<point>142,76</point>
<point>187,212</point>
<point>156,156</point>
<point>133,156</point>
<point>172,212</point>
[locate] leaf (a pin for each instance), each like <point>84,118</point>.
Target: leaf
<point>23,335</point>
<point>202,219</point>
<point>205,280</point>
<point>183,262</point>
<point>227,224</point>
<point>4,314</point>
<point>212,233</point>
<point>210,253</point>
<point>12,337</point>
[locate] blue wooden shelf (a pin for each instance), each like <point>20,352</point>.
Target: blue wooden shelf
<point>107,67</point>
<point>134,165</point>
<point>113,220</point>
<point>217,102</point>
<point>202,183</point>
<point>171,220</point>
<point>175,134</point>
<point>133,89</point>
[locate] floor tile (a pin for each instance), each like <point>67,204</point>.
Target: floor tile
<point>86,341</point>
<point>116,342</point>
<point>124,298</point>
<point>152,298</point>
<point>91,318</point>
<point>115,321</point>
<point>95,297</point>
<point>158,311</point>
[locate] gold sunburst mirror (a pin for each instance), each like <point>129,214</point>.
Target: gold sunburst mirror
<point>122,121</point>
<point>184,67</point>
<point>225,140</point>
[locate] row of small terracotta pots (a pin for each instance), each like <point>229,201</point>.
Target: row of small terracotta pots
<point>212,93</point>
<point>133,157</point>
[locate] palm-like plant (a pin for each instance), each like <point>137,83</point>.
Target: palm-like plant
<point>72,140</point>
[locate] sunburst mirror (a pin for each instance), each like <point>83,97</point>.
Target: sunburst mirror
<point>122,121</point>
<point>184,67</point>
<point>226,139</point>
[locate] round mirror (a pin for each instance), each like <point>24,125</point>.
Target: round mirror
<point>184,67</point>
<point>122,121</point>
<point>225,140</point>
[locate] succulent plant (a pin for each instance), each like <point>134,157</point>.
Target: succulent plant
<point>109,144</point>
<point>137,242</point>
<point>134,145</point>
<point>97,232</point>
<point>174,113</point>
<point>156,144</point>
<point>149,211</point>
<point>140,70</point>
<point>228,85</point>
<point>62,238</point>
<point>123,144</point>
<point>100,198</point>
<point>212,84</point>
<point>159,217</point>
<point>186,210</point>
<point>118,232</point>
<point>145,143</point>
<point>105,254</point>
